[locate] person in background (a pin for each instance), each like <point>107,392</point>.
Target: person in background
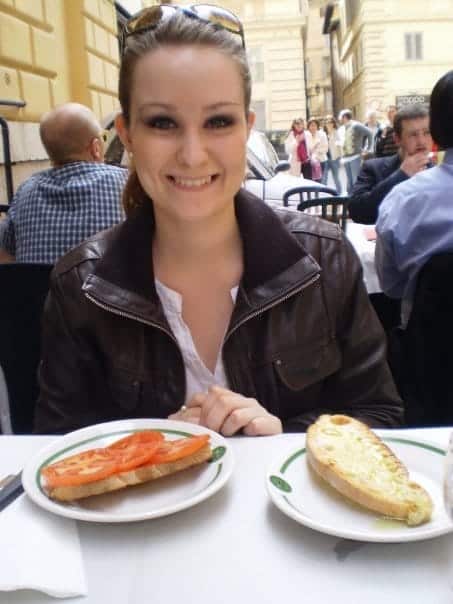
<point>378,176</point>
<point>385,144</point>
<point>414,220</point>
<point>206,305</point>
<point>357,138</point>
<point>54,210</point>
<point>334,152</point>
<point>296,147</point>
<point>317,149</point>
<point>375,128</point>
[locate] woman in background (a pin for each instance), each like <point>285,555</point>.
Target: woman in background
<point>296,147</point>
<point>334,153</point>
<point>317,149</point>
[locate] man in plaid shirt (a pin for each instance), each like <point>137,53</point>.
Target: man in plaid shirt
<point>56,209</point>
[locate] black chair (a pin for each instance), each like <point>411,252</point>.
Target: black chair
<point>24,289</point>
<point>332,207</point>
<point>307,193</point>
<point>421,356</point>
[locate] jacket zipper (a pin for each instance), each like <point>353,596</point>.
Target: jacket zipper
<point>126,315</point>
<point>270,305</point>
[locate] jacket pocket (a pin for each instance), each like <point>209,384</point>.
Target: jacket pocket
<point>302,367</point>
<point>125,390</point>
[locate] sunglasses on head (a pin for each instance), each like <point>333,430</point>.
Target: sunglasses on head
<point>150,17</point>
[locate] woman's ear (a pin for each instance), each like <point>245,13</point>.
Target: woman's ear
<point>123,132</point>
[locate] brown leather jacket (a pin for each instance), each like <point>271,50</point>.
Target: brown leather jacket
<point>303,338</point>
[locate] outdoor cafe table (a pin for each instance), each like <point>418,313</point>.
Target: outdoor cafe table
<point>365,250</point>
<point>237,547</point>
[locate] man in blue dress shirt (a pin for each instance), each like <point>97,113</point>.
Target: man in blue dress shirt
<point>416,218</point>
<point>56,209</point>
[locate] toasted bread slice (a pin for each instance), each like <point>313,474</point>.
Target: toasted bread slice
<point>124,479</point>
<point>353,460</point>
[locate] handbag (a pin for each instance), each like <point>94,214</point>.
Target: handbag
<point>316,172</point>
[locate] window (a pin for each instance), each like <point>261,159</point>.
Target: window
<point>357,60</point>
<point>352,9</point>
<point>328,101</point>
<point>360,55</point>
<point>413,44</point>
<point>256,63</point>
<point>354,64</point>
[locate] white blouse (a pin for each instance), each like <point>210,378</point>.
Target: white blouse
<point>317,145</point>
<point>198,377</point>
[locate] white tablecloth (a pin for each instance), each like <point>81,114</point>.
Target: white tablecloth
<point>365,250</point>
<point>237,547</point>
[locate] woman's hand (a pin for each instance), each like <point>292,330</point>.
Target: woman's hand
<point>227,412</point>
<point>185,414</point>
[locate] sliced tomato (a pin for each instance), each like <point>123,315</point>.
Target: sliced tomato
<point>173,450</point>
<point>138,438</point>
<point>82,468</point>
<point>136,449</point>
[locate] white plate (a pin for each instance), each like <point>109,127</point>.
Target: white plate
<point>148,500</point>
<point>303,496</point>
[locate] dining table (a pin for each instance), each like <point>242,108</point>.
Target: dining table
<point>362,238</point>
<point>238,546</point>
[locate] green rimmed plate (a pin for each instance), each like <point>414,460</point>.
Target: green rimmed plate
<point>142,502</point>
<point>300,494</point>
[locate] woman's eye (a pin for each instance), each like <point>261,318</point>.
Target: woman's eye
<point>220,121</point>
<point>160,123</point>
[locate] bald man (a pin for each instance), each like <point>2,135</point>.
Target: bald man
<point>56,209</point>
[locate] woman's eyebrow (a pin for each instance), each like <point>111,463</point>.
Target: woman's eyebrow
<point>223,104</point>
<point>170,107</point>
<point>166,106</point>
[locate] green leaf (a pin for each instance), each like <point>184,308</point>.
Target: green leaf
<point>280,484</point>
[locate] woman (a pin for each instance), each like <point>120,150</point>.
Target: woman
<point>317,147</point>
<point>204,305</point>
<point>334,153</point>
<point>297,149</point>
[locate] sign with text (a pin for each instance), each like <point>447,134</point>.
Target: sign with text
<point>412,99</point>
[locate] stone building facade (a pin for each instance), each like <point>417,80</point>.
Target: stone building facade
<point>387,52</point>
<point>52,51</point>
<point>317,62</point>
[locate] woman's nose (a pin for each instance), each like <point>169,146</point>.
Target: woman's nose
<point>192,149</point>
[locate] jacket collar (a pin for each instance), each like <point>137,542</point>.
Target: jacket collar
<point>393,161</point>
<point>123,277</point>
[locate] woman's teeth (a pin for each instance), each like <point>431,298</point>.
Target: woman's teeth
<point>192,182</point>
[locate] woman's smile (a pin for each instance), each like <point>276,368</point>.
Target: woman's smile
<point>192,184</point>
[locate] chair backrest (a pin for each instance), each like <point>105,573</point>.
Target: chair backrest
<point>428,346</point>
<point>23,289</point>
<point>334,209</point>
<point>307,193</point>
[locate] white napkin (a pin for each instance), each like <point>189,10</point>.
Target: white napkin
<point>40,551</point>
